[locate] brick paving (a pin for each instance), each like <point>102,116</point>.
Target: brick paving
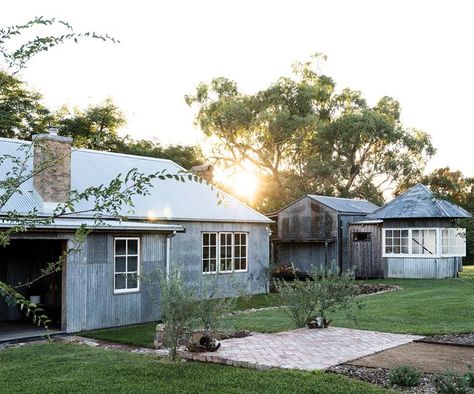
<point>302,348</point>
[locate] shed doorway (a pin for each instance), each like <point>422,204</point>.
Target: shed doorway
<point>362,257</point>
<point>22,261</point>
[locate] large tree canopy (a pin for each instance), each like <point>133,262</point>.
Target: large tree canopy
<point>21,112</point>
<point>304,136</point>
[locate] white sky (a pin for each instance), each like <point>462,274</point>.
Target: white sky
<point>419,52</point>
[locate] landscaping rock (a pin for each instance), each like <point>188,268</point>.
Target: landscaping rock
<point>451,339</point>
<point>369,288</point>
<point>159,336</point>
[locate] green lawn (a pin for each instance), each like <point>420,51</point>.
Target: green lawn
<point>139,335</point>
<point>62,368</point>
<point>424,306</point>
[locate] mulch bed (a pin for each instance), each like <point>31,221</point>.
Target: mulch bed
<point>369,288</point>
<point>379,377</point>
<point>450,339</point>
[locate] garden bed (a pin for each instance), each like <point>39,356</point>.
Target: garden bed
<point>451,339</point>
<point>379,377</point>
<point>369,288</point>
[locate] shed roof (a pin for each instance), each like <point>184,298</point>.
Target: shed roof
<point>168,200</point>
<point>345,205</point>
<point>74,224</point>
<point>419,202</point>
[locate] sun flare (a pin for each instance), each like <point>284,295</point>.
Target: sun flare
<point>244,184</point>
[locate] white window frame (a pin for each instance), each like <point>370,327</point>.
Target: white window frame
<point>209,258</point>
<point>385,254</point>
<point>437,242</point>
<point>126,255</point>
<point>246,251</point>
<point>410,243</point>
<point>231,252</point>
<point>218,252</point>
<point>460,230</point>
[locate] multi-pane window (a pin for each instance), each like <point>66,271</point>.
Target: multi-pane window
<point>224,252</point>
<point>396,241</point>
<point>427,242</point>
<point>423,241</point>
<point>126,264</point>
<point>209,253</point>
<point>453,241</point>
<point>240,251</point>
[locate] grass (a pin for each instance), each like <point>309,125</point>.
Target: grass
<point>61,368</point>
<point>143,334</point>
<point>423,306</point>
<point>139,335</point>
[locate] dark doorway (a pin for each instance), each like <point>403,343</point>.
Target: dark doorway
<point>23,260</point>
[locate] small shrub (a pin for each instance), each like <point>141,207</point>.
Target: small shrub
<point>452,383</point>
<point>186,307</point>
<point>404,375</point>
<point>469,377</point>
<point>311,298</point>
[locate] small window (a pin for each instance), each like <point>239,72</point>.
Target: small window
<point>126,264</point>
<point>209,253</point>
<point>240,251</point>
<point>361,236</point>
<point>396,242</point>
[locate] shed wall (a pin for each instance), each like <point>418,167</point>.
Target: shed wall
<point>307,255</point>
<point>412,267</point>
<point>307,219</point>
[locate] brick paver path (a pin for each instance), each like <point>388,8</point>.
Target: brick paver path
<point>302,348</point>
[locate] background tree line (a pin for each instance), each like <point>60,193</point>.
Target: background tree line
<point>23,114</point>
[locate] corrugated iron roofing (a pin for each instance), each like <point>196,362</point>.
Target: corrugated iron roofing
<point>168,200</point>
<point>418,202</point>
<point>73,224</point>
<point>346,205</point>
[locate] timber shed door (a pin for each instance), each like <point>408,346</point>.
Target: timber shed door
<point>365,251</point>
<point>362,258</point>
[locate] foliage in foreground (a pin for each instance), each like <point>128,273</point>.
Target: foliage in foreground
<point>188,306</point>
<point>326,292</point>
<point>60,368</point>
<point>452,383</point>
<point>405,376</point>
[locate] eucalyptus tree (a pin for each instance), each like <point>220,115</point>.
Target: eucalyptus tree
<point>303,135</point>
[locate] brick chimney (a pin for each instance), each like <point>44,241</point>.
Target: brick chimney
<point>205,171</point>
<point>52,160</point>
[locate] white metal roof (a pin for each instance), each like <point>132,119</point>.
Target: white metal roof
<point>168,200</point>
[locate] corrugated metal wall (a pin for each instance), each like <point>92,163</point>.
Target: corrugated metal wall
<point>187,254</point>
<point>307,255</point>
<point>91,302</point>
<point>412,267</point>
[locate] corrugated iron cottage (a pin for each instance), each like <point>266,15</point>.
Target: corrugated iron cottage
<point>99,287</point>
